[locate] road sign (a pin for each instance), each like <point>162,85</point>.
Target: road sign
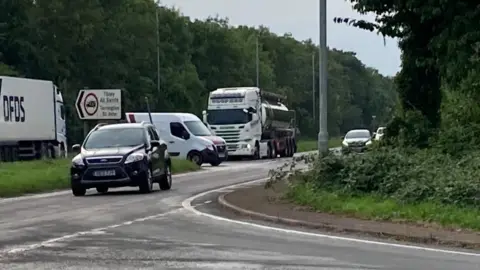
<point>99,104</point>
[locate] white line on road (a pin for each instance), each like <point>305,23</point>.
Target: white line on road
<point>187,204</point>
<point>51,241</point>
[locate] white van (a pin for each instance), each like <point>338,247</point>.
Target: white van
<point>186,135</point>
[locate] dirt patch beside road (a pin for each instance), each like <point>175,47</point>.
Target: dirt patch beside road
<point>267,204</point>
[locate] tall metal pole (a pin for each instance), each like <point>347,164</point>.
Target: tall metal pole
<point>313,86</point>
<point>257,61</point>
<point>158,51</point>
<point>322,80</point>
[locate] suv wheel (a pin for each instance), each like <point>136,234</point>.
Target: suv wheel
<point>165,182</point>
<point>146,185</point>
<point>102,189</point>
<point>78,190</point>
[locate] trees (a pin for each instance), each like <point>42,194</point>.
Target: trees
<point>440,48</point>
<point>112,44</point>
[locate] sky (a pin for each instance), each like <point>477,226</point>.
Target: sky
<point>300,18</point>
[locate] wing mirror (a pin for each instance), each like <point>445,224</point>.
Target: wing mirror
<point>76,148</point>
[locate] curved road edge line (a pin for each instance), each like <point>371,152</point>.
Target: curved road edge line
<point>187,204</point>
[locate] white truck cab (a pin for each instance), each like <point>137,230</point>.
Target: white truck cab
<point>251,125</point>
<point>186,136</point>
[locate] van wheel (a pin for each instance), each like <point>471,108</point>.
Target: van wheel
<point>196,158</point>
<point>165,182</point>
<point>146,185</point>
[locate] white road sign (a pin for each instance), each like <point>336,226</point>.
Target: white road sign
<point>99,104</point>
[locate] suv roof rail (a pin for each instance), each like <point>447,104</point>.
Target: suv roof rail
<point>146,123</point>
<point>99,125</point>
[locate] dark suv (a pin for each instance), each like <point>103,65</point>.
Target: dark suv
<point>119,155</point>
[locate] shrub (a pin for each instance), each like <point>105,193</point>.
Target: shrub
<point>406,174</point>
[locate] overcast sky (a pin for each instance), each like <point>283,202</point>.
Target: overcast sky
<point>300,17</point>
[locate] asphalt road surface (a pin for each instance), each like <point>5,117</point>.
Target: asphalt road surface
<point>180,229</point>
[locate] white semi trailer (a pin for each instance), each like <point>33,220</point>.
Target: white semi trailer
<point>33,122</point>
<point>254,123</point>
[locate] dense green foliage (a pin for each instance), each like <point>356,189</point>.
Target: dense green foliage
<point>112,44</point>
<point>431,149</point>
<point>429,177</point>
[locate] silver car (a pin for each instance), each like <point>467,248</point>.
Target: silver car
<point>356,140</point>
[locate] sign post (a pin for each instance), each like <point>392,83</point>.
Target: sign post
<point>99,104</point>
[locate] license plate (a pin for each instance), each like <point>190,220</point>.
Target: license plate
<point>221,155</point>
<point>104,173</point>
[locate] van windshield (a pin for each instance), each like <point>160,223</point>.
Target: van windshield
<point>197,128</point>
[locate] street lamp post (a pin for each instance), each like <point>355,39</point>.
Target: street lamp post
<point>158,51</point>
<point>322,80</point>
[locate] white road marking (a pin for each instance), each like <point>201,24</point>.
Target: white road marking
<point>187,204</point>
<point>96,231</point>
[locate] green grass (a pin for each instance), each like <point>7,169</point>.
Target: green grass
<point>376,208</point>
<point>19,178</point>
<point>311,145</point>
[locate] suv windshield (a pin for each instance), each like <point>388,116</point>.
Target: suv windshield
<point>358,134</point>
<point>115,137</point>
<point>228,117</point>
<point>197,128</point>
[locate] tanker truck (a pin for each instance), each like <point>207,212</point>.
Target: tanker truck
<point>254,123</point>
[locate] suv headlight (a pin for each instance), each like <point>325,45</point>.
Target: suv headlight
<point>134,158</point>
<point>210,147</point>
<point>77,161</point>
<point>344,143</point>
<point>368,143</point>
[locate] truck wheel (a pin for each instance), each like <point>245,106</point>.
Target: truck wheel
<point>288,148</point>
<point>146,184</point>
<point>195,157</point>
<point>256,155</point>
<point>291,148</point>
<point>165,182</point>
<point>102,189</point>
<point>78,190</point>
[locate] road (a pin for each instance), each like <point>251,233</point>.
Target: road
<point>127,230</point>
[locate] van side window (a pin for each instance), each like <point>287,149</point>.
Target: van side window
<point>177,129</point>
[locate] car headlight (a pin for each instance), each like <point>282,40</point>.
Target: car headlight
<point>368,143</point>
<point>344,143</point>
<point>134,158</point>
<point>210,147</point>
<point>77,161</point>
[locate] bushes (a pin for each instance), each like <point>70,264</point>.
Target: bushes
<point>406,174</point>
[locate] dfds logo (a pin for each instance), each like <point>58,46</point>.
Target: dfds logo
<point>13,110</point>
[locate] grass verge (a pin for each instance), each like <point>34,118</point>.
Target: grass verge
<point>311,145</point>
<point>378,208</point>
<point>19,178</point>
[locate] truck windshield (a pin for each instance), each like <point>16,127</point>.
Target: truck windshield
<point>115,137</point>
<point>228,117</point>
<point>197,128</point>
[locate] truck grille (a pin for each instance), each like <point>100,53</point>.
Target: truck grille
<point>103,160</point>
<point>232,137</point>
